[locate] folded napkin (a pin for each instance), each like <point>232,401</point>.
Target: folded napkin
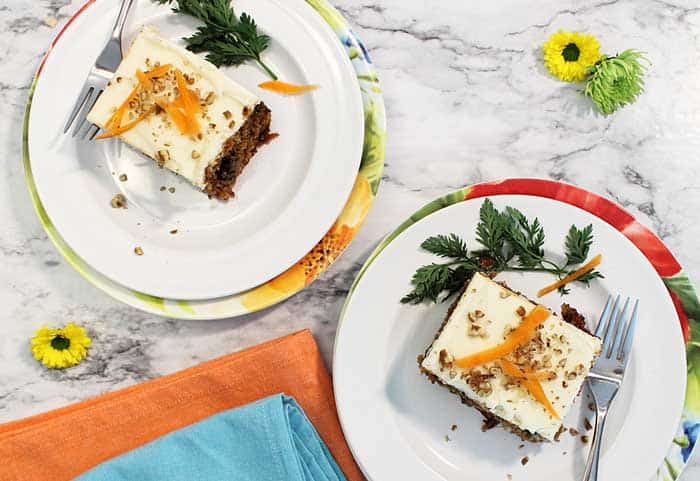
<point>62,444</point>
<point>270,440</point>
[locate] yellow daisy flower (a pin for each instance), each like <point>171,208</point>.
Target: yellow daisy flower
<point>59,348</point>
<point>568,55</point>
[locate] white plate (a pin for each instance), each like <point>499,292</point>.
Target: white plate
<point>286,199</point>
<point>396,422</point>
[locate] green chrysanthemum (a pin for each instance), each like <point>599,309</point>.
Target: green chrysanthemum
<point>614,82</point>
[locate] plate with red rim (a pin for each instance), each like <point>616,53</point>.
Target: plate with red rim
<point>399,425</point>
<point>276,216</point>
<point>363,181</point>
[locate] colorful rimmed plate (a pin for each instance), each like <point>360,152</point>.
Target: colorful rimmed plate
<point>361,188</point>
<point>398,425</point>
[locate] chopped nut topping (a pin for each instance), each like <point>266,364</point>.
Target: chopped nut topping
<point>444,359</point>
<point>584,439</point>
<point>587,424</point>
<point>504,294</point>
<point>246,111</point>
<point>200,136</point>
<point>212,125</point>
<point>138,251</point>
<point>162,156</point>
<point>171,190</point>
<point>479,314</point>
<point>564,384</point>
<point>209,99</point>
<point>573,431</point>
<point>195,154</point>
<point>118,202</point>
<point>520,311</point>
<point>174,231</point>
<point>559,433</point>
<point>227,114</point>
<point>454,427</point>
<point>525,460</point>
<point>163,188</point>
<point>119,80</point>
<point>232,124</point>
<point>123,178</point>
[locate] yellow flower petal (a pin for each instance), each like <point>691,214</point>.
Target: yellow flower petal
<point>570,70</point>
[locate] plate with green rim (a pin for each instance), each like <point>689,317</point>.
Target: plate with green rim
<point>304,270</point>
<point>400,426</point>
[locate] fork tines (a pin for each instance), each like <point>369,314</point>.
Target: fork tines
<point>616,329</point>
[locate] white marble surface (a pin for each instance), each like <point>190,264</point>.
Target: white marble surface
<point>467,100</point>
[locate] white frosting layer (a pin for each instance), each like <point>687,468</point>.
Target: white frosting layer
<point>570,348</point>
<point>156,133</point>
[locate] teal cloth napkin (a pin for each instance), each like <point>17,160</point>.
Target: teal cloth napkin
<point>268,440</point>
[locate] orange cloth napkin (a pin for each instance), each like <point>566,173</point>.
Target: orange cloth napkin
<point>61,444</point>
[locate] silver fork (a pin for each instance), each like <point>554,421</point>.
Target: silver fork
<point>605,378</point>
<point>105,66</point>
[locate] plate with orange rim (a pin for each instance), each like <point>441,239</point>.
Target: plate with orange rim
<point>269,285</point>
<point>400,426</point>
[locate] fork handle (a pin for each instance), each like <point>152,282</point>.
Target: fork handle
<point>591,472</point>
<point>121,19</point>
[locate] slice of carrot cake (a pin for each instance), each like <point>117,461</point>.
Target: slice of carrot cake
<point>514,360</point>
<point>184,113</point>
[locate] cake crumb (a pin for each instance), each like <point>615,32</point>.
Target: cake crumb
<point>118,202</point>
<point>138,251</point>
<point>174,231</point>
<point>488,424</point>
<point>521,446</point>
<point>171,190</point>
<point>559,433</point>
<point>454,427</point>
<point>584,439</point>
<point>123,178</point>
<point>162,188</point>
<point>587,424</point>
<point>525,460</point>
<point>50,22</point>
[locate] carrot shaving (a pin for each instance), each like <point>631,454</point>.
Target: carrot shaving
<point>124,128</point>
<point>118,114</point>
<point>587,267</point>
<point>532,384</point>
<point>535,388</point>
<point>175,114</point>
<point>158,71</point>
<point>519,336</point>
<point>286,88</point>
<point>185,99</point>
<point>144,79</point>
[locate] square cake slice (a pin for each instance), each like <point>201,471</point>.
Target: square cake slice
<point>184,113</point>
<point>557,355</point>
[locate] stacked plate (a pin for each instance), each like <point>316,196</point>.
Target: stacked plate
<point>203,258</point>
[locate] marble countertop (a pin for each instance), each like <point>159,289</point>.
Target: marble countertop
<point>468,77</point>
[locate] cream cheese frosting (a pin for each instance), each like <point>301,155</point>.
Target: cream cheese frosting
<point>484,315</point>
